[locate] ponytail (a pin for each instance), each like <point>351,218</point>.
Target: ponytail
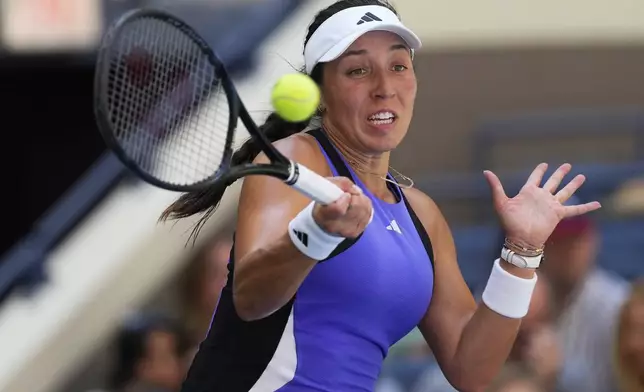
<point>207,200</point>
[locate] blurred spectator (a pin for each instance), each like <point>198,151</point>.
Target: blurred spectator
<point>581,290</point>
<point>516,378</point>
<point>536,346</point>
<point>629,198</point>
<point>150,356</point>
<point>389,384</point>
<point>406,361</point>
<point>205,276</point>
<point>630,342</point>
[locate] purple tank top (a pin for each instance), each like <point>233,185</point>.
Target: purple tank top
<point>335,333</point>
<point>354,306</point>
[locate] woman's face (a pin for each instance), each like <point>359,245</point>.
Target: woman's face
<point>633,341</point>
<point>369,92</point>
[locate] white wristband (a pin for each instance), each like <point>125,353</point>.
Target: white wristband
<point>508,295</point>
<point>309,237</point>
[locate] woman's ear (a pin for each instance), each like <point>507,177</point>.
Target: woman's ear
<point>322,105</point>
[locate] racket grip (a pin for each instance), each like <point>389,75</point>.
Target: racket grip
<point>313,185</point>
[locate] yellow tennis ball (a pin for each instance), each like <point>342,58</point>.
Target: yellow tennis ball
<point>295,97</point>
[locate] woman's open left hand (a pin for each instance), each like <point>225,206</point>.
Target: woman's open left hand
<point>530,217</point>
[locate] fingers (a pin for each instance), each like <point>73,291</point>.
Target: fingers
<point>361,206</point>
<point>343,183</point>
<point>498,193</point>
<point>557,177</point>
<point>572,211</point>
<point>350,217</point>
<point>334,210</point>
<point>346,185</point>
<point>347,216</point>
<point>537,175</point>
<point>362,212</point>
<point>355,191</point>
<point>340,206</point>
<point>345,203</point>
<point>567,191</point>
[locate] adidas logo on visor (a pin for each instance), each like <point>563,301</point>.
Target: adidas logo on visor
<point>369,17</point>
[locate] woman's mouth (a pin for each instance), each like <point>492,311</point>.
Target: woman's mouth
<point>384,117</point>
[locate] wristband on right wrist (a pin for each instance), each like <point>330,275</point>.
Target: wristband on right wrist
<point>309,238</point>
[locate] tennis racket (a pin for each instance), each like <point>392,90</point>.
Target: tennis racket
<point>167,108</point>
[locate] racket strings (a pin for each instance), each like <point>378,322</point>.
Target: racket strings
<point>164,110</point>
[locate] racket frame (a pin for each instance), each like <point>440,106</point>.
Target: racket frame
<point>101,106</point>
<point>291,173</point>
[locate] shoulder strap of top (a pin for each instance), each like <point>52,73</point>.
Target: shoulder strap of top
<point>424,237</point>
<point>340,165</point>
<point>343,170</point>
<point>332,153</point>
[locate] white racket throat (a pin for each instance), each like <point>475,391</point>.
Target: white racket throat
<point>312,184</point>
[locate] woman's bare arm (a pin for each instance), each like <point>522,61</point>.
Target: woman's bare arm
<point>269,269</point>
<point>470,342</point>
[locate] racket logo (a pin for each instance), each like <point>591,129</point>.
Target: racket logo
<point>139,67</point>
<point>303,237</point>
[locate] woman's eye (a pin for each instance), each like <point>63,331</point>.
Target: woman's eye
<point>400,68</point>
<point>357,72</point>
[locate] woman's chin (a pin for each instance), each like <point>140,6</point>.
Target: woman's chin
<point>382,141</point>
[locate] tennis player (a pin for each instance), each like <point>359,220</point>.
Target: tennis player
<point>317,294</point>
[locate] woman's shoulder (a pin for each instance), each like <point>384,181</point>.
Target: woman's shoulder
<point>301,148</point>
<point>427,211</point>
<point>420,201</point>
<point>298,144</point>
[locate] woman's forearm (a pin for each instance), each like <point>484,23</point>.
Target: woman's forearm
<point>486,341</point>
<point>267,278</point>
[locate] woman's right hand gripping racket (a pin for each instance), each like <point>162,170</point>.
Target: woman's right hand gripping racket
<point>167,108</point>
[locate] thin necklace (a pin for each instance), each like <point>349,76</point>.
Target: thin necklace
<point>397,175</point>
<point>359,167</point>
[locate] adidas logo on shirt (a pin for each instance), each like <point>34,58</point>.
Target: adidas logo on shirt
<point>369,17</point>
<point>393,226</point>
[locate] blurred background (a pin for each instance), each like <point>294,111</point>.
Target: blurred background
<point>96,295</point>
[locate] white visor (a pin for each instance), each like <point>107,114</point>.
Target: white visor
<point>341,30</point>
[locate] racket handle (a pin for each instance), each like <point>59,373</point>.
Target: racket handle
<point>313,185</point>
